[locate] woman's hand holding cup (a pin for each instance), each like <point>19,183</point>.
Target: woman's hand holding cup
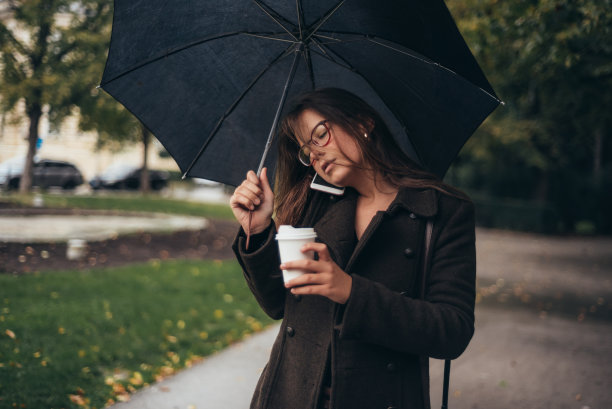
<point>324,276</point>
<point>253,195</point>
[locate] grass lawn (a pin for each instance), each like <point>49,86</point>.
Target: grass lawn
<point>127,202</point>
<point>87,338</point>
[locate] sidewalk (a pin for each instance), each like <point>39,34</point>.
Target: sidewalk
<point>224,380</point>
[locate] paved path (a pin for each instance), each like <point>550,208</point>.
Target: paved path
<point>224,380</point>
<point>543,337</point>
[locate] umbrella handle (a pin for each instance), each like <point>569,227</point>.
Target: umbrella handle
<point>248,231</point>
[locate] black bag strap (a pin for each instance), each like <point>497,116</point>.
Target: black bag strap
<point>426,256</point>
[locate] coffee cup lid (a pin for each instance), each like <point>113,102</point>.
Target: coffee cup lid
<point>287,232</point>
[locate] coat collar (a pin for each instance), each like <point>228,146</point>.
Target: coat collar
<point>422,202</point>
<point>336,227</point>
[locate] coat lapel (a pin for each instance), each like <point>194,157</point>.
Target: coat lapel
<point>337,228</point>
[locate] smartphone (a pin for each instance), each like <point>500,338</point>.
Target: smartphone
<point>318,183</point>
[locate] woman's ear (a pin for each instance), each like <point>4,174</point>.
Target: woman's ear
<point>366,127</point>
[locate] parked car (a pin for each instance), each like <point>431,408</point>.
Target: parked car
<point>123,176</point>
<point>45,173</point>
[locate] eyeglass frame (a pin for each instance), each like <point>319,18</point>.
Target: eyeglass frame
<point>312,141</point>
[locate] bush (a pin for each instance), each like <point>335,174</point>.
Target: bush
<point>515,215</point>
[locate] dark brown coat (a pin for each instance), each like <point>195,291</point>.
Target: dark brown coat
<point>378,342</point>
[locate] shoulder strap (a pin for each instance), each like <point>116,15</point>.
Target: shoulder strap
<point>426,256</point>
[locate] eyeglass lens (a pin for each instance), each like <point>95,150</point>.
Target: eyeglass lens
<point>320,137</point>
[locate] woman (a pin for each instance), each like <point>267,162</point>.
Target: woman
<point>356,330</point>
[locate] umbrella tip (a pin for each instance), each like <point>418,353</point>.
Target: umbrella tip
<point>98,86</point>
<point>184,176</point>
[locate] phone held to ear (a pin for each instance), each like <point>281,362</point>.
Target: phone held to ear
<point>318,183</point>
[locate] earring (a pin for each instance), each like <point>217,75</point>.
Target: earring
<point>365,135</point>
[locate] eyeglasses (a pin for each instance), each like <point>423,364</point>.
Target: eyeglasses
<point>319,137</point>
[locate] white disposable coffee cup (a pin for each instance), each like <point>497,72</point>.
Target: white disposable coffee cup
<point>290,241</point>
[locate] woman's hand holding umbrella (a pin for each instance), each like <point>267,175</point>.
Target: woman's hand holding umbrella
<point>326,277</point>
<point>253,202</point>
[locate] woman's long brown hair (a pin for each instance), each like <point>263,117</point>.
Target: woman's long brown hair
<point>380,150</point>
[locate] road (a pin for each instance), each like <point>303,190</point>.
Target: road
<point>543,326</point>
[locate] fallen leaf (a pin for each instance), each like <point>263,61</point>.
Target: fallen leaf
<point>136,379</point>
<point>10,333</point>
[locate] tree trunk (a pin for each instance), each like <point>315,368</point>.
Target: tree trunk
<point>145,182</point>
<point>34,114</point>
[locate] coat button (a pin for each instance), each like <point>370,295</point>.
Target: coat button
<point>290,331</point>
<point>392,407</point>
<point>408,252</point>
<point>297,297</point>
<point>412,216</point>
<point>391,367</point>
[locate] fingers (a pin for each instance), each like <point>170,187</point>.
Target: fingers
<point>304,265</point>
<point>249,194</point>
<point>265,184</point>
<point>335,285</point>
<point>320,248</point>
<point>316,266</point>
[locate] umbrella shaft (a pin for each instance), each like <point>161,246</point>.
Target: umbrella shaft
<point>279,109</point>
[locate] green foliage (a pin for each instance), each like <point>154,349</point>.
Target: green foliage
<point>77,339</point>
<point>52,54</point>
<point>46,48</point>
<point>551,62</point>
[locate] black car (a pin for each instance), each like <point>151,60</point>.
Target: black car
<point>45,173</point>
<point>122,176</point>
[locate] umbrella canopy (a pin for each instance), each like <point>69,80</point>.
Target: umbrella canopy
<point>209,78</point>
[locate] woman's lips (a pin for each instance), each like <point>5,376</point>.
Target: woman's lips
<point>325,166</point>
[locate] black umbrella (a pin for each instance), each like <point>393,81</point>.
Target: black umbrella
<point>210,78</point>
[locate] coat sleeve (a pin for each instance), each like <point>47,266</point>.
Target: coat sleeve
<point>440,326</point>
<point>261,270</point>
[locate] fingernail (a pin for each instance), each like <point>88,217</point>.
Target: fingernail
<point>282,267</point>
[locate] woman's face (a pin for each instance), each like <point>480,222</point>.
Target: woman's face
<point>338,161</point>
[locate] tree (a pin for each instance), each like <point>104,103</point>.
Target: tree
<point>551,62</point>
<point>42,44</point>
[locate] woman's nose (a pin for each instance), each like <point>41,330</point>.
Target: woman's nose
<point>315,153</point>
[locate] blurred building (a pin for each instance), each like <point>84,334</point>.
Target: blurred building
<point>71,144</point>
<point>68,143</point>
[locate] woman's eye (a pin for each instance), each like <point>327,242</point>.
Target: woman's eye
<point>320,136</point>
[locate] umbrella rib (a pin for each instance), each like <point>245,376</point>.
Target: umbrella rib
<point>356,71</point>
<point>268,11</point>
<point>328,57</point>
<point>323,19</point>
<point>232,107</point>
<point>416,57</point>
<point>268,37</point>
<point>177,50</point>
<point>300,14</point>
<point>427,61</point>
